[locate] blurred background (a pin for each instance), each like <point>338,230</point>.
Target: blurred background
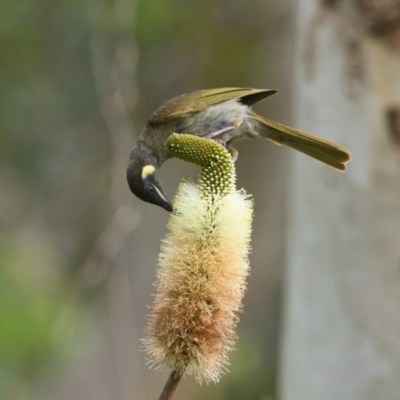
<point>79,79</point>
<point>78,252</point>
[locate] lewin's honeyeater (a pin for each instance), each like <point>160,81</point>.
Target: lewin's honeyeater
<point>224,115</point>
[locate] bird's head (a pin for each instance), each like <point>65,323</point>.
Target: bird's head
<point>145,185</point>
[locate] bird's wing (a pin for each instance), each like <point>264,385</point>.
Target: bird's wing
<point>187,104</point>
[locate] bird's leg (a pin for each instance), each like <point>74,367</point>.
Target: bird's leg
<point>216,133</point>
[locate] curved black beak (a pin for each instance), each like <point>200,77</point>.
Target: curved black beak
<point>167,205</point>
<point>162,199</point>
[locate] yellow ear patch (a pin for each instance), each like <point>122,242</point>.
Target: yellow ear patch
<point>147,170</point>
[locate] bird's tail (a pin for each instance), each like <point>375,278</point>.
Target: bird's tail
<point>323,150</point>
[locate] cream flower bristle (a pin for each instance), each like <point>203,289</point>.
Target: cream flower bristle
<point>202,269</point>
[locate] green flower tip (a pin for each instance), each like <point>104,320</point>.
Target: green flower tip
<point>217,176</point>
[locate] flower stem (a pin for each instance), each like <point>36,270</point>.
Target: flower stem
<point>170,386</point>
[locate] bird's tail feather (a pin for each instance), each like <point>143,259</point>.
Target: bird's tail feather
<point>323,150</point>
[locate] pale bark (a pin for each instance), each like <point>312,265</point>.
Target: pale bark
<point>341,332</point>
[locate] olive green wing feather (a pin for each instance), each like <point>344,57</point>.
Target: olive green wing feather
<point>187,104</point>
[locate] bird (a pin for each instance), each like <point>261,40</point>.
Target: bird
<point>224,115</point>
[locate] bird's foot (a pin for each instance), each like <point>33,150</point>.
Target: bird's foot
<point>234,153</point>
<point>221,142</point>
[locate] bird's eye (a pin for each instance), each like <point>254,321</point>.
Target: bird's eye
<point>150,189</point>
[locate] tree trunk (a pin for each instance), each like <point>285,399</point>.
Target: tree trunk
<point>341,333</point>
